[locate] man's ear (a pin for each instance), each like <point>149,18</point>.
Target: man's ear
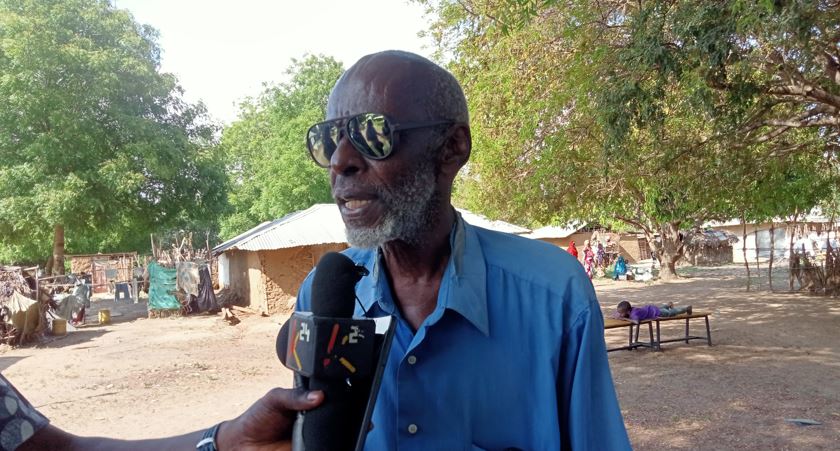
<point>456,150</point>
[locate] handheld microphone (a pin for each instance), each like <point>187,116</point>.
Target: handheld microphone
<point>329,350</point>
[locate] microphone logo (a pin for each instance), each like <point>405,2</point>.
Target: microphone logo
<point>355,334</point>
<point>304,332</point>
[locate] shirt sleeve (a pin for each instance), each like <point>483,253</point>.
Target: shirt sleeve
<point>19,421</point>
<point>590,417</point>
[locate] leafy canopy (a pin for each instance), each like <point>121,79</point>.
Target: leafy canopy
<point>622,110</point>
<point>92,135</point>
<point>656,115</point>
<point>271,173</point>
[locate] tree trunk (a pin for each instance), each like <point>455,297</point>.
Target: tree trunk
<point>744,249</point>
<point>669,251</point>
<point>757,263</point>
<point>772,255</point>
<point>49,266</point>
<point>793,259</point>
<point>58,251</point>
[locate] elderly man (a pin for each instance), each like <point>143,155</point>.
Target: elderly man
<point>499,341</point>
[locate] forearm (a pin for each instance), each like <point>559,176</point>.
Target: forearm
<point>55,439</point>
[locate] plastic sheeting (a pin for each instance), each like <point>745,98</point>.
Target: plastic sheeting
<point>188,278</point>
<point>70,307</point>
<point>206,297</point>
<point>26,313</point>
<point>161,287</point>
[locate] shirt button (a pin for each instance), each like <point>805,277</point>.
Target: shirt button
<point>412,428</point>
<point>412,360</point>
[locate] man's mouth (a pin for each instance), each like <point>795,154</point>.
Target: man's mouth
<point>359,210</point>
<point>354,204</point>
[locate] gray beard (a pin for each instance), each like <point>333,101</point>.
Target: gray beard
<point>410,211</point>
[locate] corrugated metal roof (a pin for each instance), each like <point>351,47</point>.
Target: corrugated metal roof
<point>483,222</point>
<point>322,224</point>
<point>554,232</point>
<point>816,216</point>
<point>318,224</point>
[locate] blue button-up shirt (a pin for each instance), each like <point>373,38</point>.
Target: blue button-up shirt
<point>512,357</point>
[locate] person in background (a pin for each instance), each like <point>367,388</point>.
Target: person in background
<point>600,256</point>
<point>620,267</point>
<point>588,259</point>
<point>636,314</point>
<point>572,249</point>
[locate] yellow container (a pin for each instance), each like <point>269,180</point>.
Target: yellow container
<point>104,316</point>
<point>59,326</point>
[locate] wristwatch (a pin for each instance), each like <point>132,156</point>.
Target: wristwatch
<point>208,440</point>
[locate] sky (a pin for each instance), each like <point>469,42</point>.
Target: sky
<point>223,51</point>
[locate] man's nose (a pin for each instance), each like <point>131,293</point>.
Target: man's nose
<point>346,160</point>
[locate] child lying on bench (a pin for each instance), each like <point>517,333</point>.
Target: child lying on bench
<point>650,311</point>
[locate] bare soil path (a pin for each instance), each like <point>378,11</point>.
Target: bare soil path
<point>141,378</point>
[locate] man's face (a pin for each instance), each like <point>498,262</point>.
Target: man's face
<point>392,199</point>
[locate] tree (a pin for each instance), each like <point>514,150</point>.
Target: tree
<point>271,173</point>
<point>95,141</point>
<point>611,111</point>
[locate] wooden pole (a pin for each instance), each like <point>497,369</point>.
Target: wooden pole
<point>772,254</point>
<point>744,249</point>
<point>152,239</point>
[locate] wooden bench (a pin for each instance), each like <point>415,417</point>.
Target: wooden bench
<point>632,342</point>
<point>656,344</point>
<point>687,318</point>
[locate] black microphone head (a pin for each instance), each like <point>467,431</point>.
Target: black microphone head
<point>282,344</point>
<point>334,286</point>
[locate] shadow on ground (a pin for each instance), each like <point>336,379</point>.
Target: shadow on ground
<point>776,356</point>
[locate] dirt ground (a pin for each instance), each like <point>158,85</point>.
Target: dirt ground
<point>775,356</point>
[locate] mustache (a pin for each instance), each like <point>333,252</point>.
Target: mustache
<point>343,187</point>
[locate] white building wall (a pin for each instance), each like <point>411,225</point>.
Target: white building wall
<point>224,271</point>
<point>759,242</point>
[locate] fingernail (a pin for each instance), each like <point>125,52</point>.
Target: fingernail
<point>312,396</point>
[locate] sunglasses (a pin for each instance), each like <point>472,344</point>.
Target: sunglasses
<point>372,134</point>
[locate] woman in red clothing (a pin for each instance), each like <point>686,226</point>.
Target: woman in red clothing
<point>572,249</point>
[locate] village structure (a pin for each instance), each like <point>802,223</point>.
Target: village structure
<point>261,269</point>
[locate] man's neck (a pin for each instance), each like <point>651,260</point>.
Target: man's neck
<point>415,271</point>
<point>424,259</point>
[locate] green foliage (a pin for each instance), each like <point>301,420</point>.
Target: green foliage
<point>647,113</point>
<point>271,173</point>
<point>659,114</point>
<point>93,136</point>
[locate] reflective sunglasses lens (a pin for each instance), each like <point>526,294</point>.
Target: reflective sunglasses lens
<point>322,141</point>
<point>370,133</point>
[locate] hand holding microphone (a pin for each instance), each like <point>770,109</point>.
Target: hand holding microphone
<point>342,356</point>
<point>268,423</point>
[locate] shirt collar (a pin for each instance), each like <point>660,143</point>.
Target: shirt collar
<point>464,285</point>
<point>467,284</point>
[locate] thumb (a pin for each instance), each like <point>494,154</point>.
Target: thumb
<point>285,400</point>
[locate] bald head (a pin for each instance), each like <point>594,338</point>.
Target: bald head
<point>401,84</point>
